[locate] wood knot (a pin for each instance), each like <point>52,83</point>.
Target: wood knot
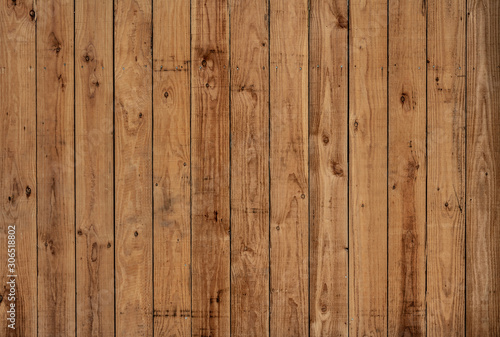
<point>165,94</point>
<point>28,191</point>
<point>136,233</point>
<point>32,14</point>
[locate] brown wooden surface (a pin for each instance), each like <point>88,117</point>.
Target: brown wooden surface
<point>251,168</point>
<point>171,168</point>
<point>407,167</point>
<point>446,168</point>
<point>328,168</point>
<point>55,168</point>
<point>210,167</point>
<point>133,168</point>
<point>368,169</point>
<point>94,167</point>
<point>483,161</point>
<point>18,190</point>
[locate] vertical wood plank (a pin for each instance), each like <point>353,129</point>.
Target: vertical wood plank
<point>171,168</point>
<point>483,168</point>
<point>210,168</point>
<point>249,168</point>
<point>446,170</point>
<point>55,168</point>
<point>407,167</point>
<point>94,167</point>
<point>133,171</point>
<point>289,167</point>
<point>18,166</point>
<point>368,168</point>
<point>328,168</point>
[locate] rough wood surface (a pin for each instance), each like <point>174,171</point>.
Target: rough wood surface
<point>483,165</point>
<point>133,168</point>
<point>249,168</point>
<point>18,190</point>
<point>328,168</point>
<point>171,168</point>
<point>407,168</point>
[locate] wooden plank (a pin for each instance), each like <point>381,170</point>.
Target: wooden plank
<point>249,168</point>
<point>289,168</point>
<point>446,171</point>
<point>133,168</point>
<point>18,166</point>
<point>483,168</point>
<point>94,167</point>
<point>210,168</point>
<point>368,168</point>
<point>328,168</point>
<point>55,168</point>
<point>407,167</point>
<point>171,168</point>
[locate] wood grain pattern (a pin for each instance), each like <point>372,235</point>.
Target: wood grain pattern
<point>289,168</point>
<point>328,168</point>
<point>171,168</point>
<point>368,168</point>
<point>446,168</point>
<point>18,191</point>
<point>133,168</point>
<point>483,164</point>
<point>94,167</point>
<point>407,167</point>
<point>55,168</point>
<point>249,168</point>
<point>210,168</point>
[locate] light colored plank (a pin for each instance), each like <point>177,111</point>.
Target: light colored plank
<point>133,171</point>
<point>446,168</point>
<point>94,167</point>
<point>328,168</point>
<point>249,168</point>
<point>55,168</point>
<point>368,168</point>
<point>171,168</point>
<point>289,168</point>
<point>210,168</point>
<point>407,167</point>
<point>18,167</point>
<point>483,168</point>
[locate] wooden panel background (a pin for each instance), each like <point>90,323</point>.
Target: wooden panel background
<point>250,168</point>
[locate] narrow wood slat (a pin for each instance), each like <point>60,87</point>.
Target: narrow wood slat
<point>483,168</point>
<point>94,167</point>
<point>446,168</point>
<point>55,168</point>
<point>289,168</point>
<point>18,166</point>
<point>210,168</point>
<point>133,168</point>
<point>407,167</point>
<point>249,168</point>
<point>171,168</point>
<point>368,168</point>
<point>328,168</point>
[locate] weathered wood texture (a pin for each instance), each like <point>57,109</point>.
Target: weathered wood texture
<point>94,167</point>
<point>446,168</point>
<point>407,167</point>
<point>133,168</point>
<point>171,168</point>
<point>210,167</point>
<point>250,167</point>
<point>18,190</point>
<point>328,168</point>
<point>483,162</point>
<point>55,168</point>
<point>368,168</point>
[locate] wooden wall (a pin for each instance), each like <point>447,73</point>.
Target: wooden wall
<point>250,167</point>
